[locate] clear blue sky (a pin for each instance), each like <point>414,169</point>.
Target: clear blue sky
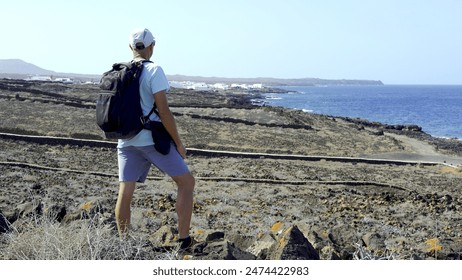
<point>396,41</point>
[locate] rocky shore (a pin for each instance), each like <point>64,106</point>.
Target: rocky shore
<point>272,183</point>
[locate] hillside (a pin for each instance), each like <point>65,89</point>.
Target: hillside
<point>18,66</point>
<point>19,69</point>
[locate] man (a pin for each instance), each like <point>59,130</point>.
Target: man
<point>136,155</point>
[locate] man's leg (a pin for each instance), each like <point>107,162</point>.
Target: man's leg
<point>122,210</point>
<point>184,202</point>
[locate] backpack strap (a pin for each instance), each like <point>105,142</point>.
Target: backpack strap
<point>153,110</point>
<point>141,60</point>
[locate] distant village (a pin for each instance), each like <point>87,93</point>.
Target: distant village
<point>58,80</point>
<point>213,87</point>
<point>176,84</point>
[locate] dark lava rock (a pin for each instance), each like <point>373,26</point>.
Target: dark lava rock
<point>4,224</point>
<point>223,250</point>
<point>292,245</point>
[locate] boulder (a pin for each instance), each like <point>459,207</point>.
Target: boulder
<point>317,239</point>
<point>374,241</point>
<point>222,250</point>
<point>215,236</point>
<point>240,240</point>
<point>328,253</point>
<point>163,237</point>
<point>261,247</point>
<point>293,245</point>
<point>343,238</point>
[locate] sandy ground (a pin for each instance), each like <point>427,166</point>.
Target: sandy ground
<point>386,207</point>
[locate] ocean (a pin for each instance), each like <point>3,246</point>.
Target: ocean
<point>437,109</point>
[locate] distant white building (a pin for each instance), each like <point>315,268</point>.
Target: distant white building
<point>190,85</point>
<point>40,78</point>
<point>176,84</point>
<point>257,86</point>
<point>200,86</point>
<point>243,86</point>
<point>216,86</point>
<point>50,79</point>
<point>220,86</point>
<point>64,80</point>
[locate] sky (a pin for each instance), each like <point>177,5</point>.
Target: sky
<point>395,41</point>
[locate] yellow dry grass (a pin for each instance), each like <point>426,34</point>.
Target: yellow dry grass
<point>451,170</point>
<point>276,227</point>
<point>433,245</point>
<point>86,206</point>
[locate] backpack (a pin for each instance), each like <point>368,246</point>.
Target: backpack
<point>118,108</point>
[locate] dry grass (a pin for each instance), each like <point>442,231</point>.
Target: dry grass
<point>451,170</point>
<point>42,238</point>
<point>363,253</point>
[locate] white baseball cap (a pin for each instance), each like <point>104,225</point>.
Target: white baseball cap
<point>141,38</point>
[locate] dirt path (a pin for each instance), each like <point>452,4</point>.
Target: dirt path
<point>421,152</point>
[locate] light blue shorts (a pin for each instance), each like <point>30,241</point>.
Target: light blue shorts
<point>135,162</point>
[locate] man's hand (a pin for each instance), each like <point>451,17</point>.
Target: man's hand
<point>181,150</point>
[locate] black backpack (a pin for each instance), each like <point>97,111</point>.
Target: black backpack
<point>118,108</point>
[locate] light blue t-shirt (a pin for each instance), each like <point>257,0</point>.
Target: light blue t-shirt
<point>152,81</point>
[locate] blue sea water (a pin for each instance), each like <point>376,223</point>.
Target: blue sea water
<point>437,109</point>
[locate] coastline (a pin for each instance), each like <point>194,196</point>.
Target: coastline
<point>393,105</point>
<point>451,145</point>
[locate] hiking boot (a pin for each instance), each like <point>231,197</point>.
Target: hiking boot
<point>186,243</point>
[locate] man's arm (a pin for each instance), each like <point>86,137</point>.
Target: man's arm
<point>168,120</point>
